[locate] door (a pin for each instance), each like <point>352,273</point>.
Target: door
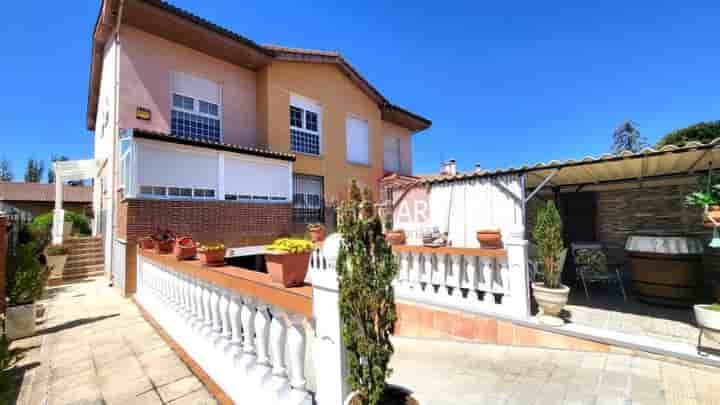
<point>579,216</point>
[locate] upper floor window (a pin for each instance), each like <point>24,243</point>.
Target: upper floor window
<point>196,108</point>
<point>358,142</point>
<point>305,125</point>
<point>391,154</point>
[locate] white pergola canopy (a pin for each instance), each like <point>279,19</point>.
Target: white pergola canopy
<point>70,170</point>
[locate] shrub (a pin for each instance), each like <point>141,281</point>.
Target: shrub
<point>703,132</point>
<point>366,268</point>
<point>548,236</point>
<point>290,245</point>
<point>25,276</point>
<point>42,224</point>
<point>56,250</point>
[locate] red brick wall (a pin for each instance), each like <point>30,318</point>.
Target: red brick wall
<point>235,224</point>
<point>3,260</point>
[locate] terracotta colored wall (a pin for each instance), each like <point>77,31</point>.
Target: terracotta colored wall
<point>3,261</point>
<point>146,63</point>
<point>339,98</point>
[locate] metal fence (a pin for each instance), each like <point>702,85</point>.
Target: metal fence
<point>308,201</point>
<point>17,220</point>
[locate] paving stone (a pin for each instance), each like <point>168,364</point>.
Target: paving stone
<point>200,397</point>
<point>179,388</point>
<point>160,376</point>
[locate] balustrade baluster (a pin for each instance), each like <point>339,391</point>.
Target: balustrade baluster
<point>469,278</point>
<point>248,312</point>
<point>234,309</point>
<point>415,272</point>
<point>488,277</point>
<point>224,304</point>
<point>296,351</point>
<point>453,281</point>
<point>278,339</point>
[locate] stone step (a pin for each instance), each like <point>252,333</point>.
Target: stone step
<point>78,261</point>
<point>82,276</point>
<point>92,267</point>
<point>85,255</point>
<point>80,241</point>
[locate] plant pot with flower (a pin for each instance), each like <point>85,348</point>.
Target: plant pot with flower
<point>146,243</point>
<point>287,261</point>
<point>164,241</point>
<point>551,295</point>
<point>707,197</point>
<point>317,232</point>
<point>25,279</point>
<point>212,254</point>
<point>56,258</point>
<point>185,248</point>
<point>366,268</point>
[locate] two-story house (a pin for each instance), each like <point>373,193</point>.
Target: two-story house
<point>200,129</point>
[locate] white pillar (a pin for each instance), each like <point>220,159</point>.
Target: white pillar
<point>58,212</point>
<point>517,257</point>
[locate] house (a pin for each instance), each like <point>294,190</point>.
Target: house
<point>202,130</point>
<point>33,199</point>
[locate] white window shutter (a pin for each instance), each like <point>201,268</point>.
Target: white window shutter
<point>391,154</point>
<point>358,150</point>
<point>196,87</point>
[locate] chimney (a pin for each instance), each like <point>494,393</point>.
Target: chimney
<point>451,167</point>
<point>478,169</point>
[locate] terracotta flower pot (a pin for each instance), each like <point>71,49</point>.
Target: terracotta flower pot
<point>489,238</point>
<point>164,247</point>
<point>146,243</point>
<point>551,301</point>
<point>395,238</point>
<point>288,269</point>
<point>318,234</point>
<point>213,258</point>
<point>714,212</point>
<point>185,249</point>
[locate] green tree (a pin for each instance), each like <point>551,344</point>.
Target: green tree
<point>51,170</point>
<point>34,171</point>
<point>549,240</point>
<point>6,173</point>
<point>626,137</point>
<point>703,132</point>
<point>366,268</point>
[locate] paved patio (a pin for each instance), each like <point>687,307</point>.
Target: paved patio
<point>95,348</point>
<point>468,373</point>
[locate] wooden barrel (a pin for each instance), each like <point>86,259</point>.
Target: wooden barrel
<point>672,279</point>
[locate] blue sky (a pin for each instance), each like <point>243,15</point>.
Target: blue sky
<point>504,82</point>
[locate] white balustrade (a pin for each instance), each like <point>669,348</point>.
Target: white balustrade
<point>256,352</point>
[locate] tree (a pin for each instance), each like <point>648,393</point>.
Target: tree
<point>627,137</point>
<point>6,173</point>
<point>34,171</point>
<point>549,240</point>
<point>51,169</point>
<point>703,132</point>
<point>366,269</point>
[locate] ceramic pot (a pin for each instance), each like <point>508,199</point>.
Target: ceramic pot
<point>412,400</point>
<point>164,247</point>
<point>489,238</point>
<point>185,249</point>
<point>714,212</point>
<point>551,301</point>
<point>56,264</point>
<point>20,321</point>
<point>395,237</point>
<point>213,258</point>
<point>288,269</point>
<point>318,234</point>
<point>146,243</point>
<point>708,319</point>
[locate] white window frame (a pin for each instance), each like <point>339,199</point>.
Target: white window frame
<point>196,103</point>
<point>305,104</point>
<point>126,162</point>
<point>347,140</point>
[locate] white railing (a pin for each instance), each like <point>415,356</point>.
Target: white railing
<point>467,280</point>
<point>255,351</point>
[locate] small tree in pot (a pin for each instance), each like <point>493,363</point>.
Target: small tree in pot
<point>25,280</point>
<point>551,295</point>
<point>366,268</point>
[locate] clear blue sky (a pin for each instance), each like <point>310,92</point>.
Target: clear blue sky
<point>504,82</point>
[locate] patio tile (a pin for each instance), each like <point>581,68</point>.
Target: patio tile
<point>179,388</point>
<point>200,397</point>
<point>161,377</point>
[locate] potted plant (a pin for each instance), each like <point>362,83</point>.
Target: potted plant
<point>708,317</point>
<point>395,237</point>
<point>287,261</point>
<point>25,280</point>
<point>164,241</point>
<point>212,254</point>
<point>56,257</point>
<point>489,238</point>
<point>185,248</point>
<point>707,197</point>
<point>366,269</point>
<point>551,295</point>
<point>317,232</point>
<point>146,243</point>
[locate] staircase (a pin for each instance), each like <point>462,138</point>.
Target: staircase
<point>85,259</point>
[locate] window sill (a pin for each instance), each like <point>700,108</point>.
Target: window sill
<point>320,156</point>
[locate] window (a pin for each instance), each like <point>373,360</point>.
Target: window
<point>308,203</point>
<point>196,111</point>
<point>125,162</point>
<point>357,141</point>
<point>176,192</point>
<point>304,126</point>
<point>391,154</point>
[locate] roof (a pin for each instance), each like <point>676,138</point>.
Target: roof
<point>43,192</point>
<point>648,164</point>
<point>246,150</point>
<point>200,34</point>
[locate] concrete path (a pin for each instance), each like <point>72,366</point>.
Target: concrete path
<point>465,373</point>
<point>95,348</point>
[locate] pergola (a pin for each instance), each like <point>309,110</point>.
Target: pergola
<point>71,170</point>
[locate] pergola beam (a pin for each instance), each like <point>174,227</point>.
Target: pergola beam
<point>542,184</point>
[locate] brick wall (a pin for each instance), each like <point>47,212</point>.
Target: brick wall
<point>3,260</point>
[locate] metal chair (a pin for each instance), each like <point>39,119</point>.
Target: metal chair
<point>591,266</point>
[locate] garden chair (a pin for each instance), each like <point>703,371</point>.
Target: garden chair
<point>591,266</point>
